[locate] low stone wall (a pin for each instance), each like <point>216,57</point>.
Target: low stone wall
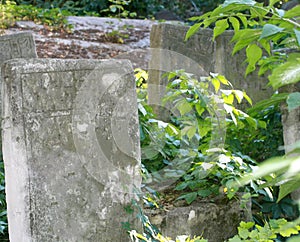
<point>216,221</point>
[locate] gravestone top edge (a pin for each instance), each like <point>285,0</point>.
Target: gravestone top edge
<point>44,64</point>
<point>16,35</point>
<point>184,27</point>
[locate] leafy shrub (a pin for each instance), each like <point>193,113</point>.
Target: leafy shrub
<point>248,231</point>
<point>143,9</point>
<point>3,218</point>
<point>54,17</point>
<point>7,14</point>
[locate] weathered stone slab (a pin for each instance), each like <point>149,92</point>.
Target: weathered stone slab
<point>71,149</point>
<point>212,56</point>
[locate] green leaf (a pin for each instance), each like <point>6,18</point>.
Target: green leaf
<point>204,193</point>
<point>244,37</point>
<point>192,30</point>
<point>267,167</point>
<point>221,26</point>
<point>293,100</point>
<point>247,98</point>
<point>294,239</point>
<point>243,233</point>
<point>286,73</point>
<point>297,33</point>
<point>204,129</point>
<point>266,45</point>
<point>243,19</point>
<point>288,232</point>
<point>287,188</point>
<point>216,84</point>
<point>184,107</point>
<point>294,12</point>
<point>189,197</point>
<point>270,29</point>
<point>239,95</point>
<point>236,238</point>
<point>223,80</point>
<point>235,23</point>
<point>276,99</point>
<point>191,132</point>
<point>254,53</point>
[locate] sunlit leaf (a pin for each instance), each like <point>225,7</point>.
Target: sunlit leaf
<point>221,26</point>
<point>287,188</point>
<point>192,30</point>
<point>235,23</point>
<point>247,98</point>
<point>286,73</point>
<point>294,12</point>
<point>254,53</point>
<point>239,95</point>
<point>216,84</point>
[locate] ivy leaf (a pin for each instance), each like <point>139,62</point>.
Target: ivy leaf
<point>254,53</point>
<point>297,33</point>
<point>293,100</point>
<point>221,26</point>
<point>286,73</point>
<point>288,232</point>
<point>243,233</point>
<point>270,29</point>
<point>192,30</point>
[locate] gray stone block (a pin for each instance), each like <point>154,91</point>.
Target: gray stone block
<point>71,149</point>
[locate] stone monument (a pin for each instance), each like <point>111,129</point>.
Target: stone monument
<point>71,149</point>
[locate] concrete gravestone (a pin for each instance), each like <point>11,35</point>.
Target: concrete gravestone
<point>212,56</point>
<point>20,45</point>
<point>71,149</point>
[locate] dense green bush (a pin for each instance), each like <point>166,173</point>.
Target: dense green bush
<point>54,17</point>
<point>143,8</point>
